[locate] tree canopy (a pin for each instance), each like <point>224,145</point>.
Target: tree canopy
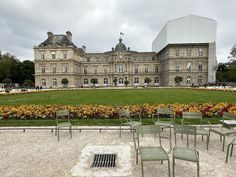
<point>14,69</point>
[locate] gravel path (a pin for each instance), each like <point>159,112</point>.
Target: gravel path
<point>37,153</point>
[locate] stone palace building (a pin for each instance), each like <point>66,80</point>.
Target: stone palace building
<point>185,47</point>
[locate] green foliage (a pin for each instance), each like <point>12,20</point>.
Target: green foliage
<point>178,80</point>
<point>7,81</point>
<point>65,82</point>
<point>17,71</point>
<point>94,81</point>
<point>28,83</point>
<point>147,80</point>
<point>115,81</point>
<point>120,97</point>
<point>126,83</point>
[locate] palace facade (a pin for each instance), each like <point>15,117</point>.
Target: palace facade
<point>58,57</point>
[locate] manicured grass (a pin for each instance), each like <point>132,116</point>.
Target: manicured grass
<point>120,97</point>
<point>90,122</point>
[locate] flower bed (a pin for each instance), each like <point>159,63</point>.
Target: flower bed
<point>101,111</point>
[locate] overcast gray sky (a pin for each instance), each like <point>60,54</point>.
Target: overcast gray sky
<point>97,23</point>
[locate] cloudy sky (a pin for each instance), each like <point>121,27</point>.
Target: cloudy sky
<point>97,23</point>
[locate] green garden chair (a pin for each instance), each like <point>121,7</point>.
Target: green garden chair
<point>185,153</point>
<point>225,129</point>
<point>196,116</point>
<point>126,118</point>
<point>233,142</point>
<point>62,121</point>
<point>164,113</point>
<point>150,153</point>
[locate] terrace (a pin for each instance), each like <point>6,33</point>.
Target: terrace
<point>38,153</point>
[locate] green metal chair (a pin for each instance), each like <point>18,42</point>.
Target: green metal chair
<point>224,130</point>
<point>185,153</point>
<point>164,113</point>
<point>150,153</point>
<point>197,116</point>
<point>126,118</point>
<point>233,142</point>
<point>62,121</point>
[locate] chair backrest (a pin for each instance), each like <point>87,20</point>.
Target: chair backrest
<point>141,130</point>
<point>228,115</point>
<point>192,115</point>
<point>62,115</point>
<point>166,112</point>
<point>186,130</point>
<point>124,113</point>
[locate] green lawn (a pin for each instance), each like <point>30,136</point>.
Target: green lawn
<point>120,97</point>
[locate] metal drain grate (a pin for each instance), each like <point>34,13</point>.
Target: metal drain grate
<point>104,160</point>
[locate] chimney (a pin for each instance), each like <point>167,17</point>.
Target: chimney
<point>69,36</point>
<point>50,34</point>
<point>84,48</point>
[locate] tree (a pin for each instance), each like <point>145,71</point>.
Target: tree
<point>65,82</point>
<point>147,80</point>
<point>7,81</point>
<point>178,80</point>
<point>28,83</point>
<point>94,81</point>
<point>115,81</point>
<point>126,83</point>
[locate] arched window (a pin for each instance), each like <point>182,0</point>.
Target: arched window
<point>199,80</point>
<point>85,81</point>
<point>54,82</point>
<point>156,80</point>
<point>121,81</point>
<point>105,81</point>
<point>43,81</point>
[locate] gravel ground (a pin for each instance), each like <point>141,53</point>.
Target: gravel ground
<point>37,153</point>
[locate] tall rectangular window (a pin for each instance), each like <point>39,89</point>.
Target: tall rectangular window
<point>146,69</point>
<point>65,68</point>
<point>42,55</point>
<point>53,55</point>
<point>95,69</point>
<point>136,70</point>
<point>189,66</point>
<point>156,69</point>
<point>136,80</point>
<point>200,52</point>
<point>177,66</point>
<point>105,69</point>
<point>189,52</point>
<point>64,55</point>
<point>199,66</point>
<point>54,68</point>
<point>177,53</point>
<point>85,70</point>
<point>43,69</point>
<point>120,68</point>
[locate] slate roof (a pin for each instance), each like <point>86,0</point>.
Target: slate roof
<point>57,40</point>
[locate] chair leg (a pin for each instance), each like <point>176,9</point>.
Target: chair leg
<point>173,167</point>
<point>169,167</point>
<point>202,137</point>
<point>70,131</point>
<point>56,131</point>
<point>170,132</point>
<point>227,154</point>
<point>220,138</point>
<point>161,161</point>
<point>231,153</point>
<point>136,158</point>
<point>223,143</point>
<point>58,138</point>
<point>120,132</point>
<point>208,141</point>
<point>198,169</point>
<point>142,167</point>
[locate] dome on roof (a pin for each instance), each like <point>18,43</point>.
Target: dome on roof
<point>120,46</point>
